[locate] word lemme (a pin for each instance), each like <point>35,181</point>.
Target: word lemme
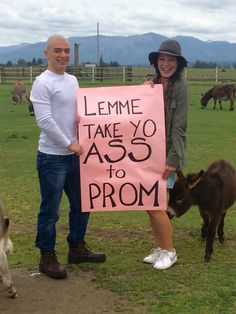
<point>130,107</point>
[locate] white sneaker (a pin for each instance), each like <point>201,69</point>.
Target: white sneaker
<point>154,256</point>
<point>166,261</point>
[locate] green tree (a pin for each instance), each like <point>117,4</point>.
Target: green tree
<point>101,62</point>
<point>114,64</point>
<point>203,64</point>
<point>33,62</point>
<point>39,61</point>
<point>22,63</point>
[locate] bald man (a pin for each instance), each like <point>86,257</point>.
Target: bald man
<point>53,96</point>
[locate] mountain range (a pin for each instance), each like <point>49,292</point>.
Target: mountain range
<point>126,50</point>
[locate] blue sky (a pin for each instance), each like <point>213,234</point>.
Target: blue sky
<point>33,21</point>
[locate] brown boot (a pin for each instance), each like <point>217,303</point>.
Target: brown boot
<point>81,253</point>
<point>50,266</point>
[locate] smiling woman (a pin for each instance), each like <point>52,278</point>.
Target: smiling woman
<point>169,64</point>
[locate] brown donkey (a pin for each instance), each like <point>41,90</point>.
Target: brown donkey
<point>5,248</point>
<point>213,191</point>
<point>219,92</point>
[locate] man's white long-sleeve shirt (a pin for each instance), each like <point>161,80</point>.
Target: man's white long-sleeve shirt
<point>54,100</point>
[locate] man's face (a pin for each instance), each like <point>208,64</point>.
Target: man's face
<point>58,55</point>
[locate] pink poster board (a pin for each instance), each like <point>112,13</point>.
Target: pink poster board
<point>122,132</point>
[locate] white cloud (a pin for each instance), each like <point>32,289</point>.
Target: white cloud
<point>34,21</point>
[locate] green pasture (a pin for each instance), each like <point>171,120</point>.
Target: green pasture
<point>190,286</point>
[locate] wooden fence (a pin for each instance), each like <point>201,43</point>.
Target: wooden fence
<point>86,73</point>
<point>115,75</point>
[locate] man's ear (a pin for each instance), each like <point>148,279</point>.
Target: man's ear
<point>45,52</point>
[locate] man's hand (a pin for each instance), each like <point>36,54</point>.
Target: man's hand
<point>75,148</point>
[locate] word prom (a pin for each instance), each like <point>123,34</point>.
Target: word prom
<point>122,133</point>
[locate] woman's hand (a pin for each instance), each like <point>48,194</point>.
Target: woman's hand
<point>169,169</point>
<point>151,83</point>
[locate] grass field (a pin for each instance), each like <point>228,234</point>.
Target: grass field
<point>190,286</point>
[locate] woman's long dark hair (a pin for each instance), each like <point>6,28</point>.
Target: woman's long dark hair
<point>168,92</point>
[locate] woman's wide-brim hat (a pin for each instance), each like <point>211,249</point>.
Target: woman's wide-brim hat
<point>169,47</point>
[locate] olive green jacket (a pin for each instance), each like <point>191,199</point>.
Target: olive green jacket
<point>176,126</point>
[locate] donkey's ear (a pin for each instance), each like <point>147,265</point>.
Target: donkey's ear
<point>195,179</point>
<point>180,174</point>
<point>201,173</point>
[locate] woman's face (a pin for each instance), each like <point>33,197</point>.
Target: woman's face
<point>167,65</point>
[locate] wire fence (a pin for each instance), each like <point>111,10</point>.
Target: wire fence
<point>115,75</point>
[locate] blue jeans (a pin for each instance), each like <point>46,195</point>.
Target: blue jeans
<point>57,174</point>
<point>171,181</point>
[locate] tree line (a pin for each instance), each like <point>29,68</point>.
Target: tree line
<point>38,62</point>
<point>24,63</point>
<point>211,65</point>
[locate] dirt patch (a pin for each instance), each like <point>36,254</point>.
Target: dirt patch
<point>105,233</point>
<point>78,294</point>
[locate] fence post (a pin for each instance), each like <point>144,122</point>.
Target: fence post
<point>2,75</point>
<point>185,73</point>
<point>93,74</point>
<point>129,73</point>
<point>216,74</point>
<point>31,74</point>
<point>123,74</point>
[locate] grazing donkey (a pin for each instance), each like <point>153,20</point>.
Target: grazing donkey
<point>17,92</point>
<point>214,191</point>
<point>5,248</point>
<point>219,92</point>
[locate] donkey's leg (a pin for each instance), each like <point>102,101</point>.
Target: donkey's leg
<point>220,229</point>
<point>231,105</point>
<point>215,100</point>
<point>6,276</point>
<point>211,231</point>
<point>220,105</point>
<point>204,228</point>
